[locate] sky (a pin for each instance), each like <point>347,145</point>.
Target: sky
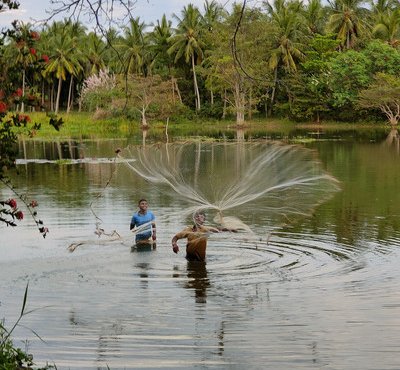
<point>148,10</point>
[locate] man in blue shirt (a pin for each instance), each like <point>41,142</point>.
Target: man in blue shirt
<point>144,221</point>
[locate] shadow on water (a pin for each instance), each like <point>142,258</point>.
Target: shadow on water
<point>143,247</point>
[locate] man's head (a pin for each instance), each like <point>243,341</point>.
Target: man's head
<point>199,217</point>
<point>143,205</point>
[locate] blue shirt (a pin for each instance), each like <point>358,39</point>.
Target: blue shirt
<point>139,219</point>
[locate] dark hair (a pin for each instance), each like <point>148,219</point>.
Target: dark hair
<point>199,213</point>
<point>142,200</point>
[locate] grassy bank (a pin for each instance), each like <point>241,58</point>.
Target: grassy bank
<point>82,125</point>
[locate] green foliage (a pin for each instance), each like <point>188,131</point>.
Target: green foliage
<point>383,57</point>
<point>11,357</point>
<point>310,89</point>
<point>350,72</point>
<point>100,99</point>
<point>9,126</point>
<point>301,59</point>
<point>383,94</point>
<point>212,110</point>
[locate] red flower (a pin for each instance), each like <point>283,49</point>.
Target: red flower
<point>35,35</point>
<point>12,203</point>
<point>45,58</point>
<point>19,215</point>
<point>32,51</point>
<point>19,92</point>
<point>3,107</point>
<point>23,118</point>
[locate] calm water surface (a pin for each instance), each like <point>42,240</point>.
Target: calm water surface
<point>319,293</point>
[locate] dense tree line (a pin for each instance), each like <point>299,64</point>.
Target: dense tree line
<point>305,61</point>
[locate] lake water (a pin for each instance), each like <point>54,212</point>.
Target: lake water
<point>315,291</point>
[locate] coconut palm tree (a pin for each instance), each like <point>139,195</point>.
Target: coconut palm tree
<point>64,58</point>
<point>111,55</point>
<point>387,27</point>
<point>315,17</point>
<point>132,47</point>
<point>159,43</point>
<point>348,21</point>
<point>78,32</point>
<point>288,38</point>
<point>382,6</point>
<point>187,42</point>
<point>213,13</point>
<point>94,52</point>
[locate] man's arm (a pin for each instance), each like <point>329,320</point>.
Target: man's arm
<point>133,223</point>
<point>180,235</point>
<point>175,246</point>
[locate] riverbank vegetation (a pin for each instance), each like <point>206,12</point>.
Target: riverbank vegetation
<point>302,61</point>
<point>12,357</point>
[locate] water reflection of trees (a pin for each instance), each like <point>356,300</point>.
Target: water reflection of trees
<point>393,140</point>
<point>368,206</point>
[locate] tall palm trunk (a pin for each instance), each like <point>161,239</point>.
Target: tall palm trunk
<point>70,94</point>
<point>196,87</point>
<point>273,90</point>
<point>58,94</point>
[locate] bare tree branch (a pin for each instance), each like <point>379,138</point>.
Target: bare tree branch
<point>103,13</point>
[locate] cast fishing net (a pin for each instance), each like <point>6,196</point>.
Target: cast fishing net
<point>249,186</point>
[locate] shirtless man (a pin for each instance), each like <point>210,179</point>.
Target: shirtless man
<point>196,236</point>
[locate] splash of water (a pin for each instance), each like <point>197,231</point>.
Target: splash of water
<point>244,185</point>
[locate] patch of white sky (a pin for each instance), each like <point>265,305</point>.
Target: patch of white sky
<point>149,11</point>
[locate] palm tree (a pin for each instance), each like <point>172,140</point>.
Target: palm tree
<point>159,43</point>
<point>111,56</point>
<point>382,6</point>
<point>133,48</point>
<point>213,13</point>
<point>95,49</point>
<point>64,59</point>
<point>348,21</point>
<point>289,26</point>
<point>187,42</point>
<point>78,32</point>
<point>387,27</point>
<point>211,18</point>
<point>315,17</point>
